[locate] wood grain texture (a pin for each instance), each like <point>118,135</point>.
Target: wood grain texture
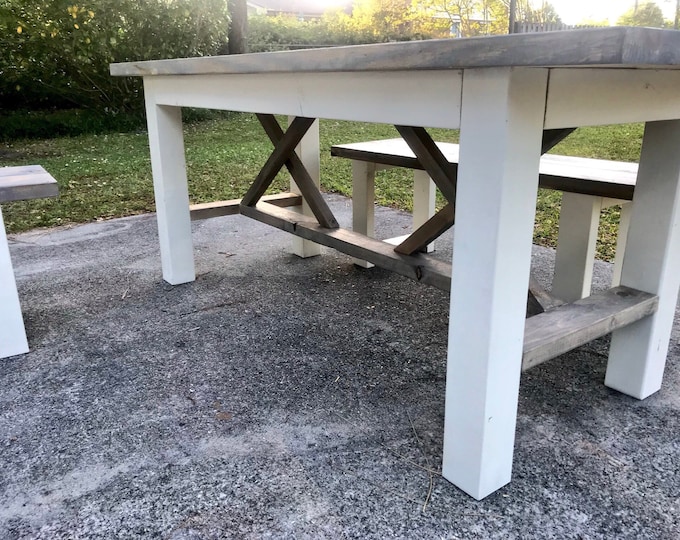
<point>428,232</point>
<point>569,326</point>
<point>306,185</point>
<point>26,182</point>
<point>420,268</point>
<point>611,47</point>
<point>442,172</point>
<point>229,208</point>
<point>283,149</point>
<point>598,177</point>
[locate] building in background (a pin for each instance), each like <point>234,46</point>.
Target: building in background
<point>303,10</point>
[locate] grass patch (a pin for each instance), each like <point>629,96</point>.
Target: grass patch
<point>108,175</point>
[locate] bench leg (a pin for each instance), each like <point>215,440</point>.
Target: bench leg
<point>501,130</point>
<point>624,224</point>
<point>637,356</point>
<point>308,151</point>
<point>171,191</point>
<point>12,332</point>
<point>424,192</point>
<point>575,255</point>
<point>363,202</point>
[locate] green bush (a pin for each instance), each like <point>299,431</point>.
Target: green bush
<point>286,32</point>
<point>56,53</point>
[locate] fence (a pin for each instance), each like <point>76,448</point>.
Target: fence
<point>526,28</point>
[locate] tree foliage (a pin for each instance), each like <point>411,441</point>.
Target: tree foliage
<point>648,14</point>
<point>57,52</point>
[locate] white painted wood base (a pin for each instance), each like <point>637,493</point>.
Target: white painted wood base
<point>500,148</point>
<point>576,243</point>
<point>12,332</point>
<point>575,254</point>
<point>166,142</point>
<point>363,202</point>
<point>637,357</point>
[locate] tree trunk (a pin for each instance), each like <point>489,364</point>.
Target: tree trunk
<point>238,26</point>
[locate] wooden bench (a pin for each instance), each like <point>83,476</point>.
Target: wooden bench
<point>588,186</point>
<point>17,183</point>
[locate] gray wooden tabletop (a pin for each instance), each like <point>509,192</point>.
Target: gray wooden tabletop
<point>625,47</point>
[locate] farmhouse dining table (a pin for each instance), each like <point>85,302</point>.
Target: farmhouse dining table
<point>512,97</point>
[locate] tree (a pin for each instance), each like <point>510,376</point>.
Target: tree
<point>238,26</point>
<point>648,14</point>
<point>387,20</point>
<point>57,52</point>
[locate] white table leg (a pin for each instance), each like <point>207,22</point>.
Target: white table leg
<point>171,191</point>
<point>575,255</point>
<point>363,202</point>
<point>12,333</point>
<point>308,151</point>
<point>637,357</point>
<point>424,192</point>
<point>621,241</point>
<point>501,130</point>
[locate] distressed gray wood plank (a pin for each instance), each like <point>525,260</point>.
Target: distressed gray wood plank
<point>610,47</point>
<point>428,232</point>
<point>542,296</point>
<point>442,172</point>
<point>569,326</point>
<point>229,208</point>
<point>300,175</point>
<point>26,182</point>
<point>419,268</point>
<point>598,177</point>
<point>282,152</point>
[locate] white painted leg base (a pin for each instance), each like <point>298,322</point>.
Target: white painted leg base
<point>637,356</point>
<point>12,332</point>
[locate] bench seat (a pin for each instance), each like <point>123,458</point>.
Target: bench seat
<point>588,185</point>
<point>17,183</point>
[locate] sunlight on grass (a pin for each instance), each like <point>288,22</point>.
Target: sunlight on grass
<point>106,176</point>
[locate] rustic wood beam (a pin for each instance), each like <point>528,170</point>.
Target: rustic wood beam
<point>551,137</point>
<point>431,158</point>
<point>432,229</point>
<point>444,219</point>
<point>299,172</point>
<point>229,208</point>
<point>571,325</point>
<point>283,147</point>
<point>419,268</point>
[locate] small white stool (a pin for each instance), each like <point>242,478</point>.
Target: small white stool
<point>17,183</point>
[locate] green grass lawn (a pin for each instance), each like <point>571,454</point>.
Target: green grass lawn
<point>106,176</point>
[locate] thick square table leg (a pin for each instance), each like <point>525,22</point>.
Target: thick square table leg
<point>308,151</point>
<point>12,333</point>
<point>363,202</point>
<point>500,148</point>
<point>166,143</point>
<point>637,357</point>
<point>579,221</point>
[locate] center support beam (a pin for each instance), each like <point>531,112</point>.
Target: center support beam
<point>284,154</point>
<point>444,174</point>
<point>500,149</point>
